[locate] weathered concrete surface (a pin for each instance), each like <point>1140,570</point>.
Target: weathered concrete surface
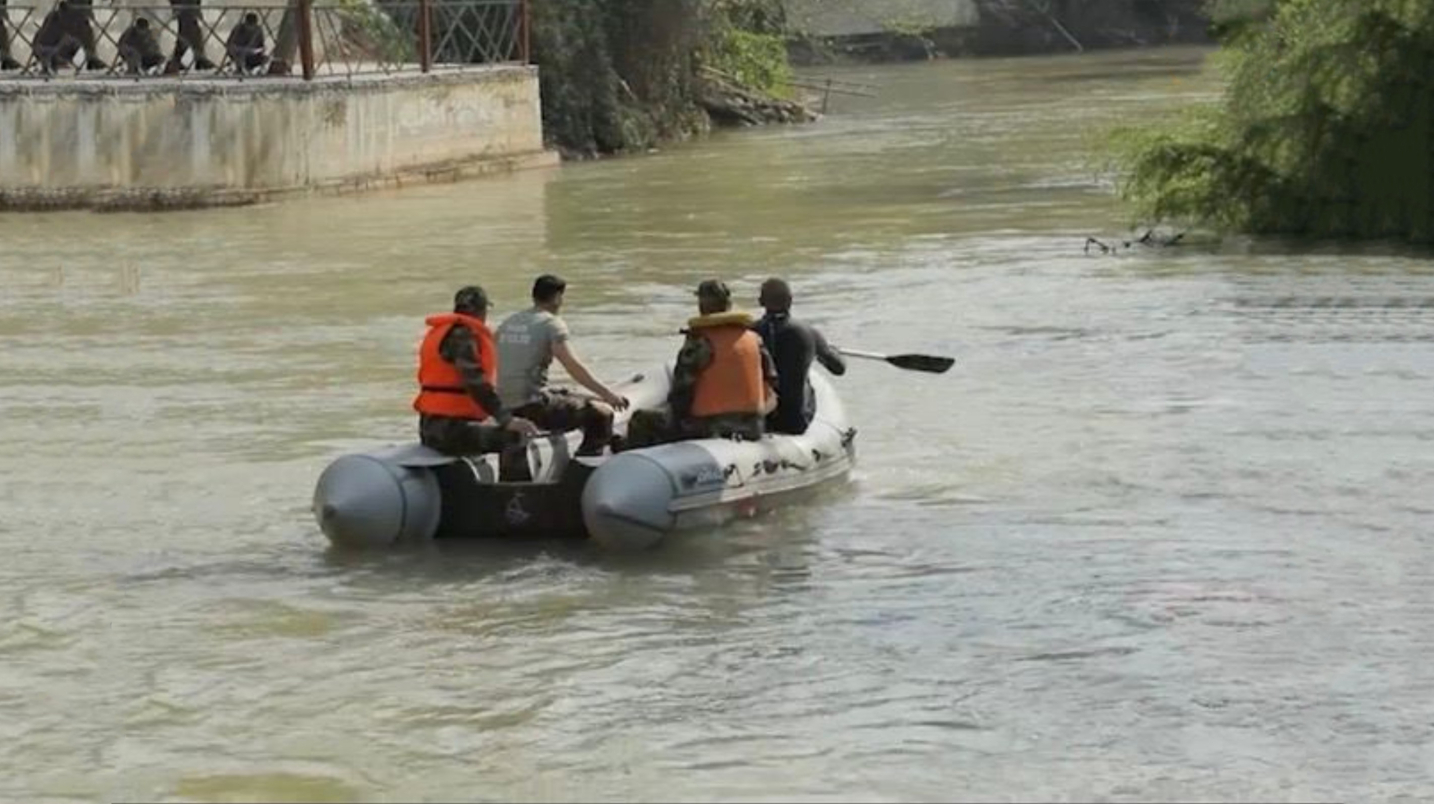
<point>866,17</point>
<point>162,142</point>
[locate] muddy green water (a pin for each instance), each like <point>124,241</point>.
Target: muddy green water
<point>1163,533</point>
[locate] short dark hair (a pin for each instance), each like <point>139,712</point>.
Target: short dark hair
<point>776,295</point>
<point>547,286</point>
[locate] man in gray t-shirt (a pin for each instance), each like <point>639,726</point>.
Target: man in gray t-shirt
<point>528,341</point>
<point>525,349</point>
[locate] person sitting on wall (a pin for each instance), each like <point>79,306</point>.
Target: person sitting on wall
<point>723,383</point>
<point>245,45</point>
<point>139,49</point>
<point>6,62</point>
<point>53,43</point>
<point>191,38</point>
<point>77,23</point>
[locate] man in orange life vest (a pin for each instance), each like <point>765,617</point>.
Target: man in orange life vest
<point>722,383</point>
<point>459,412</point>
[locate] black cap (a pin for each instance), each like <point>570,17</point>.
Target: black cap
<point>471,298</point>
<point>714,289</point>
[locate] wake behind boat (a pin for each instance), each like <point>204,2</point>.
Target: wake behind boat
<point>633,500</point>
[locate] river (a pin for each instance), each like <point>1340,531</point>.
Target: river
<point>1162,533</point>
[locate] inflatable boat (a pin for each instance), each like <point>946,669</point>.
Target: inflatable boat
<point>631,500</point>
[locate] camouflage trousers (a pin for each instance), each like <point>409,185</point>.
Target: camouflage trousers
<point>652,426</point>
<point>558,411</point>
<point>454,436</point>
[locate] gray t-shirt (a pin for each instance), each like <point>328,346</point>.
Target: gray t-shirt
<point>525,349</point>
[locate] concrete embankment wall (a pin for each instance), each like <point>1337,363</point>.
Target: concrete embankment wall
<point>160,142</point>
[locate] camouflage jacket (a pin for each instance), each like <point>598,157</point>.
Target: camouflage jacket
<point>692,358</point>
<point>457,348</point>
<point>463,436</point>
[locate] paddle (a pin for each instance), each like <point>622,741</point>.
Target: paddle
<point>933,364</point>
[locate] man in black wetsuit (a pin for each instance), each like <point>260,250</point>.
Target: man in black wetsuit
<point>793,345</point>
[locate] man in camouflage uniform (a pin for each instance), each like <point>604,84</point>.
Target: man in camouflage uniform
<point>456,436</point>
<point>649,427</point>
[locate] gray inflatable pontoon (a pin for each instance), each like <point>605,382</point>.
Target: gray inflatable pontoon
<point>631,500</point>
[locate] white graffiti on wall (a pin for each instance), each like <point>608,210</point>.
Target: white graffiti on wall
<point>428,116</point>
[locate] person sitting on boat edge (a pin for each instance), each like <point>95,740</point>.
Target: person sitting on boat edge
<point>793,345</point>
<point>528,341</point>
<point>723,382</point>
<point>459,410</point>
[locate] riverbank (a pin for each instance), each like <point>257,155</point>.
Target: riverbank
<point>997,36</point>
<point>621,78</point>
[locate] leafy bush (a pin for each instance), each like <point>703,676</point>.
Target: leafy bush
<point>744,40</point>
<point>1326,127</point>
<point>617,75</point>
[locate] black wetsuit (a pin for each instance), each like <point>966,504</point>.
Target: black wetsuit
<point>794,346</point>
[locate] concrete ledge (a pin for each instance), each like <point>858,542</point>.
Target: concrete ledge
<point>157,144</point>
<point>259,85</point>
<point>169,199</point>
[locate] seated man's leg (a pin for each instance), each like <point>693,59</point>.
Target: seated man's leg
<point>62,54</point>
<point>648,427</point>
<point>560,412</point>
<point>596,420</point>
<point>452,436</point>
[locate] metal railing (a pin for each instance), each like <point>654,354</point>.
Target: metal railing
<point>301,37</point>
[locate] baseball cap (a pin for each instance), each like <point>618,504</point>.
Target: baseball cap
<point>714,289</point>
<point>472,297</point>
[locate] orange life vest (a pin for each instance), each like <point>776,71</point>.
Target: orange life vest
<point>732,382</point>
<point>440,385</point>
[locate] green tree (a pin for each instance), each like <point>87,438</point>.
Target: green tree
<point>1325,129</point>
<point>615,75</point>
<point>619,75</point>
<point>746,40</point>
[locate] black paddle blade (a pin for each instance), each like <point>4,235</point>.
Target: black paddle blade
<point>928,363</point>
